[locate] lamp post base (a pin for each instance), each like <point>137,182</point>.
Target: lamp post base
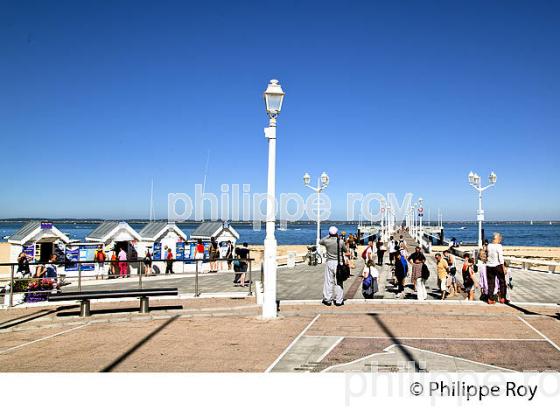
<point>270,309</point>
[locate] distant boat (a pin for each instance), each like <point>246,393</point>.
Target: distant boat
<point>531,223</point>
<point>6,237</point>
<point>550,222</point>
<point>462,227</point>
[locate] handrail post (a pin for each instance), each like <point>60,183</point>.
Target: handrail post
<point>250,278</point>
<point>79,276</point>
<point>139,274</point>
<point>11,303</point>
<point>196,294</point>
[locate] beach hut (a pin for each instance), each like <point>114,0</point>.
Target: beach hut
<point>115,235</point>
<point>39,240</point>
<point>221,231</point>
<point>155,236</point>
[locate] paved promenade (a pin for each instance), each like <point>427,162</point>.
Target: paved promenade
<point>227,335</point>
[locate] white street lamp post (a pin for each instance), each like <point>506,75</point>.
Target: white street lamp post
<point>322,183</point>
<point>388,217</point>
<point>273,97</point>
<point>420,216</point>
<point>382,220</point>
<point>474,181</point>
<point>414,207</point>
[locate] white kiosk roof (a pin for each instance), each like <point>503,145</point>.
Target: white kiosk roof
<point>119,231</point>
<point>207,230</point>
<point>35,231</point>
<point>155,230</point>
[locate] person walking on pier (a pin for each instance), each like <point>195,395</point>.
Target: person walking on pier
<point>495,269</point>
<point>367,254</point>
<point>393,250</point>
<point>370,275</point>
<point>401,272</point>
<point>450,259</point>
<point>332,290</point>
<point>418,276</point>
<point>442,271</point>
<point>417,255</point>
<point>468,278</point>
<point>380,245</point>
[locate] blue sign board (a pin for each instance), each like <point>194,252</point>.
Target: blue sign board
<point>72,257</point>
<point>156,251</point>
<point>180,250</point>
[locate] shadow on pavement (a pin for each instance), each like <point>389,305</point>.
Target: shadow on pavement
<point>410,357</point>
<point>32,316</point>
<point>138,345</point>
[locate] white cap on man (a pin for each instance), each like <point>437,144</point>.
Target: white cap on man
<point>333,230</point>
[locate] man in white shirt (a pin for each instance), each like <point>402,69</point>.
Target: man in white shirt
<point>495,269</point>
<point>392,250</point>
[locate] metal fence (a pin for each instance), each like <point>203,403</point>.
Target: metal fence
<point>34,288</point>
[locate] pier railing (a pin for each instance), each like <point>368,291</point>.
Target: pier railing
<point>35,286</point>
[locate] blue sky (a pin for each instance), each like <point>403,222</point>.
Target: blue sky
<point>97,98</point>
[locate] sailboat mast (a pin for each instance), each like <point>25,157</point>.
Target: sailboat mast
<point>204,181</point>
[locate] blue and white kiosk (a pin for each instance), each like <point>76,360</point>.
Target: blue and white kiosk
<point>156,236</point>
<point>39,240</point>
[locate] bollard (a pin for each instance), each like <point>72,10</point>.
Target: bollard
<point>85,308</point>
<point>144,304</point>
<point>11,303</point>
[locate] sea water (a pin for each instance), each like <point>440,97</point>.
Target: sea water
<point>517,234</point>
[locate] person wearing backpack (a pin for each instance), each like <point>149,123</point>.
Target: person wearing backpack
<point>401,271</point>
<point>100,257</point>
<point>370,275</point>
<point>367,254</point>
<point>332,287</point>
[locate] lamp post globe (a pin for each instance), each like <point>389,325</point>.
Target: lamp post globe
<point>324,179</point>
<point>273,98</point>
<point>306,179</point>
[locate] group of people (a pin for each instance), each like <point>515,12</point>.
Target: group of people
<point>236,259</point>
<point>488,272</point>
<point>118,267</point>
